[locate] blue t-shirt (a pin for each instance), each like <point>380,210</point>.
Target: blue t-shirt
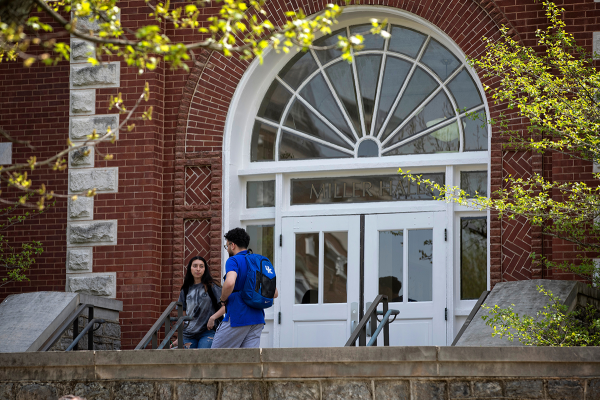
<point>240,313</point>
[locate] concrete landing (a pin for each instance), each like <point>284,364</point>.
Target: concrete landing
<point>527,300</point>
<point>27,320</point>
<point>25,317</point>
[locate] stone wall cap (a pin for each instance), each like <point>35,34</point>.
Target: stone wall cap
<point>350,354</point>
<point>47,358</point>
<point>101,302</point>
<point>517,354</point>
<point>179,356</point>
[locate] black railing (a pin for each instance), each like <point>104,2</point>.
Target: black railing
<point>360,332</point>
<point>73,319</point>
<point>165,319</point>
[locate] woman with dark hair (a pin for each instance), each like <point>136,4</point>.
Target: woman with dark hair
<point>199,295</point>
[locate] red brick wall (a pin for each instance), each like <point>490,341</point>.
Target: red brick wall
<point>187,130</point>
<point>34,107</point>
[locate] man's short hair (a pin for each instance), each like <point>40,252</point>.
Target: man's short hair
<point>239,237</point>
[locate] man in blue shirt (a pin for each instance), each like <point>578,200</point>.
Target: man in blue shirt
<point>242,325</point>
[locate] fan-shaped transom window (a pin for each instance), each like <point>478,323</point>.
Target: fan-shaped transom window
<point>405,95</point>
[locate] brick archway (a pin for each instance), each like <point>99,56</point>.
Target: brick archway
<point>213,80</point>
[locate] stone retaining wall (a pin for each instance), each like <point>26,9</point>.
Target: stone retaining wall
<point>409,373</point>
<point>335,389</point>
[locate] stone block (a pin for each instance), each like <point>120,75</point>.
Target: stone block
<point>487,389</point>
<point>346,390</point>
<point>112,330</point>
<point>197,391</point>
<point>5,153</point>
<point>36,392</point>
<point>92,390</point>
<point>460,390</point>
<point>565,389</point>
<point>81,127</point>
<point>79,159</point>
<point>104,180</point>
<point>99,284</point>
<point>294,390</point>
<point>530,388</point>
<point>95,76</point>
<point>80,260</point>
<point>87,23</point>
<point>92,233</point>
<point>134,391</point>
<point>7,391</point>
<point>90,23</point>
<point>81,50</point>
<point>429,390</point>
<point>242,390</point>
<point>596,44</point>
<point>81,209</point>
<point>83,101</point>
<point>392,390</point>
<point>164,391</point>
<point>593,389</point>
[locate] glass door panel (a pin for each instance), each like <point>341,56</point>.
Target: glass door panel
<point>391,264</point>
<point>321,280</point>
<point>335,267</point>
<point>420,265</point>
<point>307,268</point>
<point>409,252</point>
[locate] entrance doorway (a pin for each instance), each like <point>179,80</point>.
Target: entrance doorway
<point>404,258</point>
<point>320,280</point>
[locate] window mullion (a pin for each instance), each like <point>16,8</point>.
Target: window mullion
<point>455,106</point>
<point>335,96</point>
<point>404,86</point>
<point>325,120</point>
<point>357,89</point>
<point>420,135</point>
<point>378,93</point>
<point>417,109</point>
<point>412,114</point>
<point>317,140</point>
<point>283,117</point>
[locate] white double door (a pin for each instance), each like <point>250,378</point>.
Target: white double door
<point>404,257</point>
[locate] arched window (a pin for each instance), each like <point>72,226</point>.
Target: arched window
<point>405,95</point>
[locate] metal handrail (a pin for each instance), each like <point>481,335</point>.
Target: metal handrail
<point>73,319</point>
<point>164,319</point>
<point>360,332</point>
<point>179,323</point>
<point>88,329</point>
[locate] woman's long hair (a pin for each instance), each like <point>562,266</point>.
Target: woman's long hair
<point>207,279</point>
